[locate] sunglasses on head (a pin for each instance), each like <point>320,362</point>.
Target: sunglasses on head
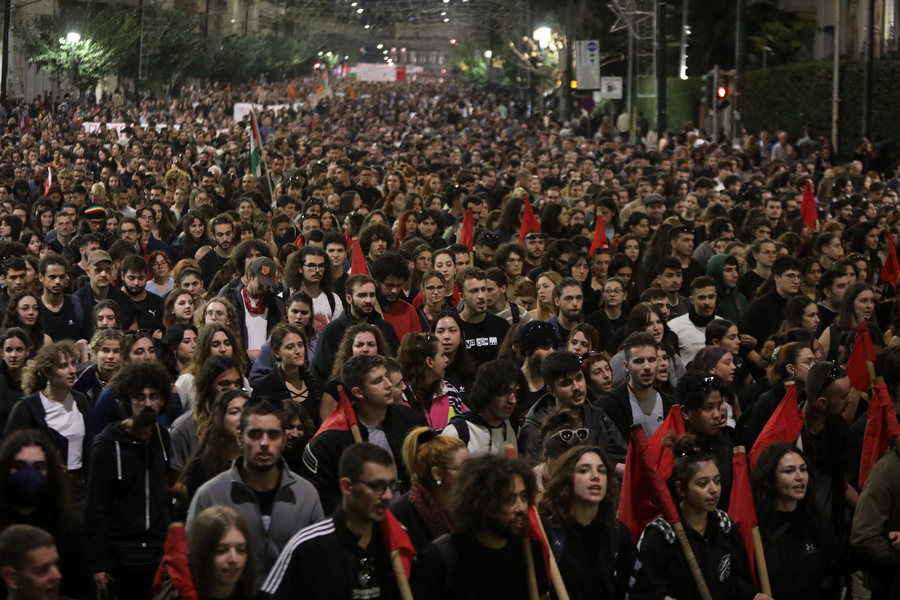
<point>570,435</point>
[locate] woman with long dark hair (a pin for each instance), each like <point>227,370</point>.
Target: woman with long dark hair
<point>865,240</point>
<point>802,554</point>
<point>423,364</point>
<point>14,344</point>
<point>24,312</point>
<point>592,546</point>
<point>177,349</point>
<point>291,378</point>
<point>460,369</point>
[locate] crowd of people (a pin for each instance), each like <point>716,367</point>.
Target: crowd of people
<point>187,339</point>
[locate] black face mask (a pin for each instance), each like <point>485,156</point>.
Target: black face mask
<point>26,487</point>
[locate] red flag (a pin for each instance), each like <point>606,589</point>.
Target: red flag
<point>358,261</point>
<point>664,459</point>
<point>784,425</point>
<point>341,418</point>
<point>535,532</point>
<point>49,181</point>
<point>891,269</point>
<point>467,235</point>
<point>397,538</point>
<point>529,221</point>
<point>644,494</point>
<point>808,207</point>
<point>863,351</point>
<point>742,511</point>
<point>175,564</point>
<point>299,240</point>
<point>600,239</point>
<point>881,428</point>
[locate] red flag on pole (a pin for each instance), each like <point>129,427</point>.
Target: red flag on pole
<point>600,239</point>
<point>49,181</point>
<point>467,235</point>
<point>674,423</point>
<point>299,240</point>
<point>881,428</point>
<point>396,538</point>
<point>891,269</point>
<point>644,494</point>
<point>784,425</point>
<point>529,221</point>
<point>342,418</point>
<point>536,532</point>
<point>175,564</point>
<point>742,511</point>
<point>863,351</point>
<point>358,261</point>
<point>808,207</point>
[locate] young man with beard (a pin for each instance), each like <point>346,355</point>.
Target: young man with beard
<point>636,401</point>
<point>63,314</point>
<point>831,290</point>
<point>670,278</point>
<point>484,332</point>
<point>485,249</point>
<point>566,388</point>
<point>87,243</point>
<point>764,315</point>
<point>309,270</point>
<point>134,282</point>
<point>498,303</point>
<point>374,240</point>
<point>274,502</point>
<point>361,300</point>
<point>257,306</point>
<point>483,559</point>
<point>350,542</point>
<point>381,422</point>
<point>223,235</point>
<point>390,272</point>
<point>568,298</point>
<point>101,272</point>
<point>691,328</point>
<point>127,515</point>
<point>335,245</point>
<point>430,228</point>
<point>534,250</point>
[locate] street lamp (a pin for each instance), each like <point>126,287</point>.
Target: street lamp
<point>74,37</point>
<point>542,36</point>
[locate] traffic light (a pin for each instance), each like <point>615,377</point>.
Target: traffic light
<point>723,96</point>
<point>705,89</point>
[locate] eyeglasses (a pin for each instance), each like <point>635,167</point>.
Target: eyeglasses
<point>153,397</point>
<point>315,266</point>
<point>534,236</point>
<point>613,291</point>
<point>379,486</point>
<point>791,276</point>
<point>431,289</point>
<point>569,435</point>
<point>832,377</point>
<point>710,384</point>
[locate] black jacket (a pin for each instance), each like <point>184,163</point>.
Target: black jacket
<point>331,337</point>
<point>29,413</point>
<point>406,513</point>
<point>595,561</point>
<point>604,432</point>
<point>273,386</point>
<point>130,310</point>
<point>763,316</point>
<point>662,569</point>
<point>323,562</point>
<point>617,406</point>
<point>127,500</point>
<point>321,456</point>
<point>273,316</point>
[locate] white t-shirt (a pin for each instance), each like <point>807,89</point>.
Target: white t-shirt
<point>322,313</point>
<point>65,418</point>
<point>651,421</point>
<point>256,327</point>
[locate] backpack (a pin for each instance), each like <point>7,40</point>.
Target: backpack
<point>514,311</point>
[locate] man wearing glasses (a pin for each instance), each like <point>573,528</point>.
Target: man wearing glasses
<point>128,504</point>
<point>764,315</point>
<point>381,422</point>
<point>534,250</point>
<point>567,388</point>
<point>274,502</point>
<point>350,543</point>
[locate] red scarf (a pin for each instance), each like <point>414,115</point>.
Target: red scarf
<point>258,310</point>
<point>435,518</point>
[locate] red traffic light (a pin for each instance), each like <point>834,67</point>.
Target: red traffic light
<point>723,92</point>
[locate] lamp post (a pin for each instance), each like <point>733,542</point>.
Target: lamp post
<point>74,37</point>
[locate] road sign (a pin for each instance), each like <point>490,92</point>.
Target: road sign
<point>588,104</point>
<point>611,88</point>
<point>587,64</point>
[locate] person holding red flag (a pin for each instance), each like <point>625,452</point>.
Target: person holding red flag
<point>803,556</point>
<point>484,557</point>
<point>579,512</point>
<point>662,570</point>
<point>347,555</point>
<point>381,422</point>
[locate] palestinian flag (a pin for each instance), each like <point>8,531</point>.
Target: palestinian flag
<point>255,146</point>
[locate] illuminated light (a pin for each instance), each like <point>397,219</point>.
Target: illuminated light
<point>317,65</point>
<point>384,51</point>
<point>402,49</point>
<point>542,35</point>
<point>359,10</point>
<point>443,71</point>
<point>453,42</point>
<point>380,46</point>
<point>393,49</point>
<point>366,27</point>
<point>488,54</point>
<point>462,68</point>
<point>573,84</point>
<point>723,92</point>
<point>446,20</point>
<point>320,53</point>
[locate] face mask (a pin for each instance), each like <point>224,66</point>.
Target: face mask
<point>26,487</point>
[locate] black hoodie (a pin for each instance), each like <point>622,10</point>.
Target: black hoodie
<point>127,500</point>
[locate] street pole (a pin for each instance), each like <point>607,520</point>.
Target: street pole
<point>661,111</point>
<point>835,89</point>
<point>682,67</point>
<point>867,76</point>
<point>715,105</point>
<point>566,97</point>
<point>4,69</point>
<point>630,67</point>
<point>738,93</point>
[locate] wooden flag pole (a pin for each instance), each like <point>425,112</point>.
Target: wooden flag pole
<point>761,569</point>
<point>400,575</point>
<point>556,579</point>
<point>529,565</point>
<point>692,560</point>
<point>354,428</point>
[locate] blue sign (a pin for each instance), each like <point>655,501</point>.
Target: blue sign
<point>588,104</point>
<point>592,46</point>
